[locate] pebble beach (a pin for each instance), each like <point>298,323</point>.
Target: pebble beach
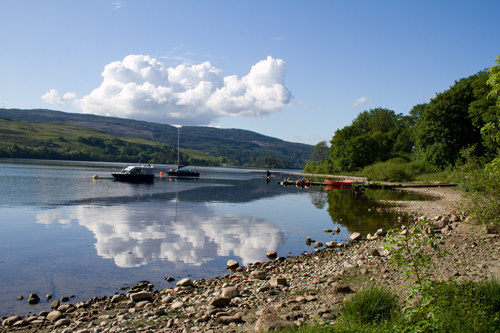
<point>282,292</point>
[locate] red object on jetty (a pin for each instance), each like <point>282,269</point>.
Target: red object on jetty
<point>338,183</point>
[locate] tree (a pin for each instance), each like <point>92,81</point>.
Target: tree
<point>444,128</point>
<point>320,152</point>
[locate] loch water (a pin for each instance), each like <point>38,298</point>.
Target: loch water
<point>65,233</point>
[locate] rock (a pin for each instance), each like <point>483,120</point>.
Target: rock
<point>373,252</point>
<point>49,297</point>
<point>342,289</point>
<point>33,299</point>
<point>272,255</point>
<point>329,316</point>
<point>380,232</point>
<point>331,244</point>
<point>275,281</point>
<point>336,230</point>
<point>55,304</point>
<point>226,320</point>
<point>20,297</point>
<point>232,264</point>
<point>54,316</point>
<point>170,279</point>
<point>270,322</point>
<point>363,271</point>
<point>220,301</point>
<point>64,299</point>
<point>355,236</point>
<point>327,230</point>
<point>64,308</point>
<point>118,298</point>
<point>177,306</point>
<point>318,244</point>
<point>142,296</point>
<point>261,275</point>
<point>490,229</point>
<point>11,320</point>
<point>168,299</point>
<point>184,282</point>
<point>62,322</point>
<point>230,292</point>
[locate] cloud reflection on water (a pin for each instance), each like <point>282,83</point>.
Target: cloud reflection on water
<point>138,234</point>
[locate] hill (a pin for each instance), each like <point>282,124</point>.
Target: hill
<point>204,145</point>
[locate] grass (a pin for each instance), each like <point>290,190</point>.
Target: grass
<point>454,307</point>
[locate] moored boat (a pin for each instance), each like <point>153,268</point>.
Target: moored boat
<point>135,173</point>
<point>181,173</point>
<point>337,183</point>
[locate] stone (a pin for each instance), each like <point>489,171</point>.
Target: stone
<point>64,308</point>
<point>48,296</point>
<point>318,244</point>
<point>331,244</point>
<point>261,275</point>
<point>54,316</point>
<point>62,322</point>
<point>220,301</point>
<point>141,296</point>
<point>272,255</point>
<point>363,271</point>
<point>20,323</point>
<point>20,297</point>
<point>270,322</point>
<point>11,320</point>
<point>329,316</point>
<point>177,305</point>
<point>342,289</point>
<point>276,281</point>
<point>373,252</point>
<point>64,299</point>
<point>184,282</point>
<point>327,230</point>
<point>33,299</point>
<point>118,298</point>
<point>168,299</point>
<point>232,264</point>
<point>490,229</point>
<point>170,279</point>
<point>226,320</point>
<point>230,292</point>
<point>55,304</point>
<point>355,236</point>
<point>336,230</point>
<point>380,232</point>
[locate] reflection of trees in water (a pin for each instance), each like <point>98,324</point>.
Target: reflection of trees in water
<point>353,208</point>
<point>318,198</point>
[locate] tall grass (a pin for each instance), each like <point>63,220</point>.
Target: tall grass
<point>397,170</point>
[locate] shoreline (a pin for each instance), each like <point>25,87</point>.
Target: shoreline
<point>286,291</point>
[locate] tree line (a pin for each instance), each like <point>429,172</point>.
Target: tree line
<point>461,122</point>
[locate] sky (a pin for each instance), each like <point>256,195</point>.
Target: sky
<point>294,70</point>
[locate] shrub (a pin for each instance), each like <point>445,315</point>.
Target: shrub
<point>372,303</point>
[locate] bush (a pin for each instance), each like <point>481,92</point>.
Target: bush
<point>396,170</point>
<point>371,304</point>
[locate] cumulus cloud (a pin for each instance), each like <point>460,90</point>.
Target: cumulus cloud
<point>140,87</point>
<point>360,101</point>
<point>52,97</point>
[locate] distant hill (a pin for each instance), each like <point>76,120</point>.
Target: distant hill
<point>226,146</point>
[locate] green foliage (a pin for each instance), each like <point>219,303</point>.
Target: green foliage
<point>372,303</point>
<point>396,170</point>
<point>320,152</point>
<point>374,136</point>
<point>413,247</point>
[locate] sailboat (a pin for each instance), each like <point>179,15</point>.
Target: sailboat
<point>181,173</point>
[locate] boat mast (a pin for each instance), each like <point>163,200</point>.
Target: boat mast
<point>178,158</point>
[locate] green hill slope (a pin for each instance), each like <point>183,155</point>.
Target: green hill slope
<point>205,145</point>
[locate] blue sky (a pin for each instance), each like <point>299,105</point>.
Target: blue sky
<point>294,70</point>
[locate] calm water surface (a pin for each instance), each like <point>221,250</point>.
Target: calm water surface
<point>62,232</point>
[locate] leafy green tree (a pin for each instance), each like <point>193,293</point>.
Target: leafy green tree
<point>444,128</point>
<point>320,152</point>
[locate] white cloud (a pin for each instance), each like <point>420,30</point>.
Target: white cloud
<point>52,97</point>
<point>140,87</point>
<point>360,101</point>
<point>116,5</point>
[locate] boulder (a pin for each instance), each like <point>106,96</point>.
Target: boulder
<point>118,298</point>
<point>331,244</point>
<point>54,316</point>
<point>336,230</point>
<point>373,252</point>
<point>270,322</point>
<point>65,307</point>
<point>11,320</point>
<point>380,232</point>
<point>168,299</point>
<point>62,322</point>
<point>327,230</point>
<point>261,275</point>
<point>220,301</point>
<point>33,299</point>
<point>55,304</point>
<point>275,281</point>
<point>170,279</point>
<point>318,244</point>
<point>232,264</point>
<point>355,236</point>
<point>177,306</point>
<point>230,292</point>
<point>184,282</point>
<point>272,255</point>
<point>142,296</point>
